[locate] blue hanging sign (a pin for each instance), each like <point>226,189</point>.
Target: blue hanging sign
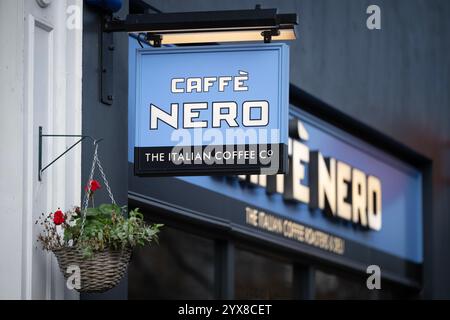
<point>211,110</point>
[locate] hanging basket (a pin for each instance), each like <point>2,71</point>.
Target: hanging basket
<point>104,269</point>
<point>97,274</point>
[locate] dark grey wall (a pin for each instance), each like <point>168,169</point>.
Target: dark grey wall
<point>107,122</point>
<point>396,80</point>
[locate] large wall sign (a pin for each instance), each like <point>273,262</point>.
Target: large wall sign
<point>213,109</point>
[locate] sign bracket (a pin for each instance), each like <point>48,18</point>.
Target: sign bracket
<point>41,136</point>
<point>156,39</point>
<point>107,66</point>
<point>268,34</point>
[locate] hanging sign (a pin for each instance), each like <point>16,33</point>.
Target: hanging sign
<point>211,110</point>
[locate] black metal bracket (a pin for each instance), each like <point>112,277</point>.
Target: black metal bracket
<point>107,65</point>
<point>41,135</point>
<point>154,40</point>
<point>268,34</point>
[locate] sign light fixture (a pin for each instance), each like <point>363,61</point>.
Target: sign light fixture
<point>209,26</point>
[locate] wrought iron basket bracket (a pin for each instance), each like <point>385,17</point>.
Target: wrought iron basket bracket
<point>41,136</point>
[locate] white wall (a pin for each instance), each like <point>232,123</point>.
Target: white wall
<point>11,124</point>
<point>40,85</point>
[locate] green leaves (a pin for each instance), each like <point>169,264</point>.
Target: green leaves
<point>92,212</point>
<point>106,226</point>
<point>104,211</point>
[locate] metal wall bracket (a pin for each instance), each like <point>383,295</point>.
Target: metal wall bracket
<point>107,67</point>
<point>41,135</point>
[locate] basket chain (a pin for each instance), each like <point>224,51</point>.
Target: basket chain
<point>95,161</point>
<point>104,177</point>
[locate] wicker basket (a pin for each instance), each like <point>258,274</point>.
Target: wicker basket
<point>98,274</point>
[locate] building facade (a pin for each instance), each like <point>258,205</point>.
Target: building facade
<point>372,104</point>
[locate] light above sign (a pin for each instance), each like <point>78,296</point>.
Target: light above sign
<point>223,36</point>
<point>209,26</point>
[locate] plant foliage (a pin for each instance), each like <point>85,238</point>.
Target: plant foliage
<point>106,226</point>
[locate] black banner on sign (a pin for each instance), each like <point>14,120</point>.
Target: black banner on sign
<point>211,159</point>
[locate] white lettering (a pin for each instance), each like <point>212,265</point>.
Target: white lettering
<point>359,196</point>
<point>374,202</point>
<point>194,84</point>
<point>224,82</point>
<point>170,118</point>
<point>190,113</point>
<point>263,120</point>
<point>343,178</point>
<point>229,116</point>
<point>174,87</point>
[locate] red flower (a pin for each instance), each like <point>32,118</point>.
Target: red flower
<point>94,186</point>
<point>58,217</point>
